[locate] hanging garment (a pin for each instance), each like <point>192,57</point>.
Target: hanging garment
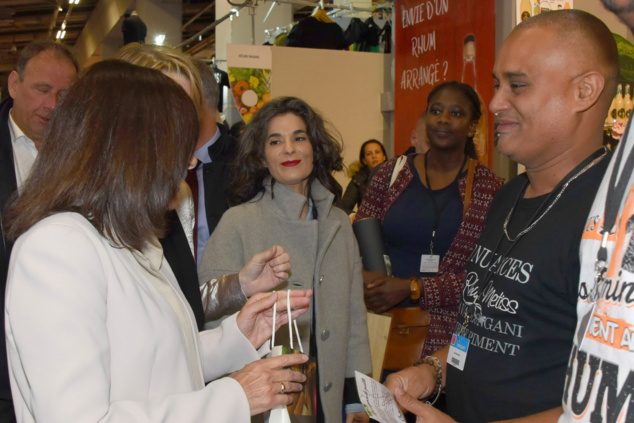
<point>353,35</point>
<point>371,36</point>
<point>312,33</point>
<point>386,38</point>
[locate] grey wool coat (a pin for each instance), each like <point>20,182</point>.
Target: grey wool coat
<point>324,256</point>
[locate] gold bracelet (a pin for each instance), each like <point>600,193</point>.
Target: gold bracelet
<point>414,289</point>
<point>435,364</point>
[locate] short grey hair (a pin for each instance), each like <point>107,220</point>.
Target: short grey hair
<point>38,46</point>
<point>210,88</point>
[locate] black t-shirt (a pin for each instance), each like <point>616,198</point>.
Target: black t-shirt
<point>518,351</point>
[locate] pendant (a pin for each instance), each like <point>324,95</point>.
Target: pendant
<point>599,278</point>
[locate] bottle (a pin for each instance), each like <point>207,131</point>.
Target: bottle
<point>620,105</point>
<point>611,117</point>
<point>536,8</point>
<point>628,102</point>
<point>525,10</point>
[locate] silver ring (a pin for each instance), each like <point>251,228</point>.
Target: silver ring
<point>283,387</point>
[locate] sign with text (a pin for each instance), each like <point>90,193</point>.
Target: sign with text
<point>438,41</point>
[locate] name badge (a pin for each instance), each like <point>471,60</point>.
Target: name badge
<point>458,351</point>
<point>429,263</point>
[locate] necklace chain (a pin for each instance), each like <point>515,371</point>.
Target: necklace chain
<point>578,174</point>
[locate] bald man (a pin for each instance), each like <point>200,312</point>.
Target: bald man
<point>419,139</point>
<point>555,76</point>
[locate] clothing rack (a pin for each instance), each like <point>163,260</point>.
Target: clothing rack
<point>335,7</point>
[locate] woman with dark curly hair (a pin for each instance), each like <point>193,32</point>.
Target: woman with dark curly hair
<point>284,193</point>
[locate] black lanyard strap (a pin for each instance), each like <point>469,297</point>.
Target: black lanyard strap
<point>438,209</point>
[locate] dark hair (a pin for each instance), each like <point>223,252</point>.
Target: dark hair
<point>362,151</point>
<point>249,170</point>
<point>472,96</point>
<point>209,85</point>
<point>116,149</point>
<point>36,47</point>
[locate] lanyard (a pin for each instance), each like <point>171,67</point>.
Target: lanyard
<point>555,194</point>
<point>615,192</point>
<point>437,209</point>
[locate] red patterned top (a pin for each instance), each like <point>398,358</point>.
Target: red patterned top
<point>441,292</point>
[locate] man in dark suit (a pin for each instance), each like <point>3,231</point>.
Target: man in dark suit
<point>43,72</point>
<point>215,151</point>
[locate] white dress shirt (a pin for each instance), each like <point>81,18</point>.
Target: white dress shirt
<point>24,152</point>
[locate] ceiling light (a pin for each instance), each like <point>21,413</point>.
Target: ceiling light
<point>159,39</point>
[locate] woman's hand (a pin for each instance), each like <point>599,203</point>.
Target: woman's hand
<point>255,319</point>
<point>265,271</point>
<point>267,382</point>
<point>382,292</point>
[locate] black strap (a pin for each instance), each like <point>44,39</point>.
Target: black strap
<point>616,191</point>
<point>438,210</point>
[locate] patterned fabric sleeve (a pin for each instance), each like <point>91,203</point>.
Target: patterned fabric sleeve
<point>374,198</point>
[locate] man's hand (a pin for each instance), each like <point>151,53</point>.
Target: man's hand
<point>265,271</point>
<point>417,381</point>
<point>425,413</point>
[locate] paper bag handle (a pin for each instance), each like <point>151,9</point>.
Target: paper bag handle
<point>290,326</point>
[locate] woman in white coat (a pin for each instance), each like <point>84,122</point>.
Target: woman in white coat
<point>285,191</point>
<point>97,328</point>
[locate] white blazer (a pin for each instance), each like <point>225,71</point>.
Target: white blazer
<point>101,334</point>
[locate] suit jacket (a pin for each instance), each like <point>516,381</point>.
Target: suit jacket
<point>115,340</point>
<point>8,185</point>
<point>179,256</point>
<point>216,177</point>
<point>325,257</point>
